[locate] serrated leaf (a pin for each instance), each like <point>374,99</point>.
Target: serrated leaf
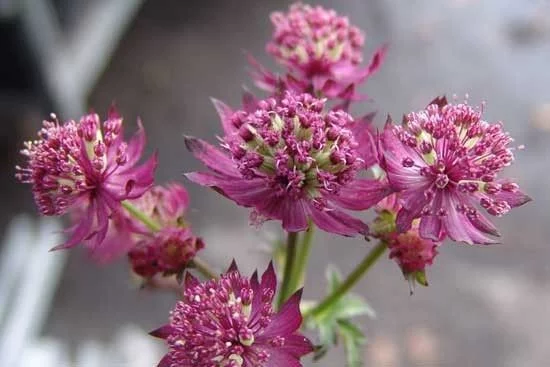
<point>353,340</point>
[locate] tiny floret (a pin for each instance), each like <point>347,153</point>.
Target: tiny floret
<point>231,322</point>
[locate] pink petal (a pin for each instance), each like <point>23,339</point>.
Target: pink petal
<point>136,146</point>
<point>278,358</point>
<point>225,112</point>
<point>286,321</point>
<point>335,221</point>
<point>458,227</point>
<point>166,361</point>
<point>81,230</point>
<point>162,332</point>
<point>263,78</point>
<point>431,227</point>
<point>297,345</point>
<point>361,194</point>
<point>294,215</point>
<point>211,157</point>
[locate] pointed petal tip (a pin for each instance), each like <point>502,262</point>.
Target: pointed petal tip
<point>162,332</point>
<point>233,267</point>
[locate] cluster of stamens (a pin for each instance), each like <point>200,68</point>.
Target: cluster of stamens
<point>456,150</point>
<point>215,325</point>
<point>308,34</point>
<point>296,147</point>
<point>69,159</point>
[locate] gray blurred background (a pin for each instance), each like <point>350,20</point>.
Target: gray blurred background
<point>485,306</point>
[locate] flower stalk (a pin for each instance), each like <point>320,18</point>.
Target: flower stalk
<point>302,256</point>
<point>360,270</point>
<point>290,258</point>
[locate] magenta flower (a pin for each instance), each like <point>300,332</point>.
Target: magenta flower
<point>444,162</point>
<point>230,322</point>
<point>168,250</point>
<point>291,161</point>
<point>86,167</point>
<point>321,51</point>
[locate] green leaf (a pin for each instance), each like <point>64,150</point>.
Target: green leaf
<point>354,340</point>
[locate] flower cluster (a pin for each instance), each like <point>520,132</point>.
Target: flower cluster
<point>87,167</point>
<point>321,50</point>
<point>291,161</point>
<point>296,156</point>
<point>169,249</point>
<point>230,322</point>
<point>444,161</point>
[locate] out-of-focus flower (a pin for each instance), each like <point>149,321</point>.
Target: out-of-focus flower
<point>168,250</point>
<point>321,50</point>
<point>86,167</point>
<point>409,250</point>
<point>444,162</point>
<point>230,322</point>
<point>291,161</point>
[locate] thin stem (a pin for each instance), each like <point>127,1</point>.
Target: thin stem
<point>203,268</point>
<point>302,256</point>
<point>352,279</point>
<point>141,216</point>
<point>290,258</point>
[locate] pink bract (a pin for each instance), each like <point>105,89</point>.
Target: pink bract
<point>231,322</point>
<point>291,161</point>
<point>445,161</point>
<point>86,167</point>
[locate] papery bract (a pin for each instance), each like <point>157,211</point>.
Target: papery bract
<point>230,322</point>
<point>444,161</point>
<point>321,50</point>
<point>88,168</point>
<point>291,161</point>
<point>169,249</point>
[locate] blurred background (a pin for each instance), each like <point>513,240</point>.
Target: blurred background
<point>162,60</point>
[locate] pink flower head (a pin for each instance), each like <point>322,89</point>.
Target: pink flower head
<point>230,322</point>
<point>168,250</point>
<point>86,167</point>
<point>291,161</point>
<point>321,50</point>
<point>444,161</point>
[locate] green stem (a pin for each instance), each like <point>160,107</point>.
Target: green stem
<point>203,268</point>
<point>141,216</point>
<point>290,258</point>
<point>350,281</point>
<point>302,256</point>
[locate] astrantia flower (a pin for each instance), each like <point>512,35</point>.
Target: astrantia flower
<point>321,51</point>
<point>291,161</point>
<point>444,161</point>
<point>86,167</point>
<point>230,322</point>
<point>168,250</point>
<point>409,250</point>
